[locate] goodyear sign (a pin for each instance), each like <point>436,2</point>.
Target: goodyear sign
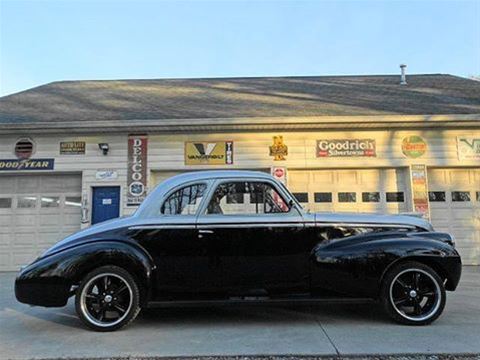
<point>209,153</point>
<point>27,164</point>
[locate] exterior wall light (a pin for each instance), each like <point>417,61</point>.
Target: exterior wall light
<point>104,147</point>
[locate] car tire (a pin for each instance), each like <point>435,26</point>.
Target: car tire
<point>107,299</point>
<point>412,293</point>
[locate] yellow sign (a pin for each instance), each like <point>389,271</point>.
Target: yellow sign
<point>209,153</point>
<point>279,150</point>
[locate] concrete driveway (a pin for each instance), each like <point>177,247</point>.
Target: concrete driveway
<point>27,332</point>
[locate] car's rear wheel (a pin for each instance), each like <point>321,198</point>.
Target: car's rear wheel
<point>413,294</point>
<point>107,299</point>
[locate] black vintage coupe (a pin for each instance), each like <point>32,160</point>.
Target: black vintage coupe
<point>234,237</point>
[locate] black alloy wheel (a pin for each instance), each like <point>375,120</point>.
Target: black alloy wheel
<point>107,299</point>
<point>413,294</point>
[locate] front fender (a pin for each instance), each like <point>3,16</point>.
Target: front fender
<point>357,267</point>
<point>47,281</point>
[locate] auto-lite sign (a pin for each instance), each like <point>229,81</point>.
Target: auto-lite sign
<point>346,147</point>
<point>209,153</point>
<point>418,177</point>
<point>137,169</point>
<point>72,148</point>
<point>27,164</point>
<point>468,148</point>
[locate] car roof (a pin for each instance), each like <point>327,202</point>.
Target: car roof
<point>216,174</point>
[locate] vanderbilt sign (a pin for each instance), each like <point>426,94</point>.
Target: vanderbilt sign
<point>209,153</point>
<point>346,147</point>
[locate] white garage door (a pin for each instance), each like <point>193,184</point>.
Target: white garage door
<point>455,208</point>
<point>366,190</point>
<point>35,212</point>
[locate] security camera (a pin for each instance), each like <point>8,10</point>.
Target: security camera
<point>104,147</point>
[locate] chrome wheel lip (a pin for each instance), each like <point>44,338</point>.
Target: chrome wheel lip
<point>438,297</point>
<point>83,301</point>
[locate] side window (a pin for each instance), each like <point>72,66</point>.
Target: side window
<point>241,198</point>
<point>184,201</point>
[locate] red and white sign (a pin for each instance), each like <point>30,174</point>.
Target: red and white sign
<point>137,169</point>
<point>279,173</point>
<point>418,178</point>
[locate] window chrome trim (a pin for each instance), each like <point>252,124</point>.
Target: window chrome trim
<point>375,225</point>
<point>249,225</point>
<point>162,227</point>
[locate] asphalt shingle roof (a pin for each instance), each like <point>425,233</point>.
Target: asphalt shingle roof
<point>241,97</point>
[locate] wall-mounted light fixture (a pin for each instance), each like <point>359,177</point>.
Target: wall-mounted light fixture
<point>104,147</point>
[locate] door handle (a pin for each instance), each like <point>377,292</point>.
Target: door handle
<point>205,231</point>
<point>202,232</point>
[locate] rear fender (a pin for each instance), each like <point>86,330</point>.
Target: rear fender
<point>357,267</point>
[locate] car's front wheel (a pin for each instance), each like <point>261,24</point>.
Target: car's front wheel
<point>413,294</point>
<point>107,299</point>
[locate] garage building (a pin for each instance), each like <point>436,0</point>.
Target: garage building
<point>75,153</point>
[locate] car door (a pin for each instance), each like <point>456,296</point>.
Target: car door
<point>258,240</point>
<point>183,263</point>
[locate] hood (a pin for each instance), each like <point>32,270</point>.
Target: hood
<point>373,219</point>
<point>89,233</point>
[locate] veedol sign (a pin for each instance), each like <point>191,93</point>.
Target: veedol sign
<point>137,169</point>
<point>468,148</point>
<point>346,147</point>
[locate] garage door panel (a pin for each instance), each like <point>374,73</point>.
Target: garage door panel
<point>38,216</point>
<point>5,220</point>
<point>50,219</point>
<point>5,240</point>
<point>6,260</point>
<point>458,217</point>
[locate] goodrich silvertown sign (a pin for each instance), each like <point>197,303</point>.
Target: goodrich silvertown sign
<point>346,147</point>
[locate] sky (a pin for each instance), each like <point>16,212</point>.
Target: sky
<point>45,41</point>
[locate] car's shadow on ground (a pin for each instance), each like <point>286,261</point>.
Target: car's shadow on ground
<point>244,315</point>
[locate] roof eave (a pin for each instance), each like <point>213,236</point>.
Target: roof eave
<point>362,122</point>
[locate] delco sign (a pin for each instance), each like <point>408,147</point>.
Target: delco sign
<point>346,147</point>
<point>137,169</point>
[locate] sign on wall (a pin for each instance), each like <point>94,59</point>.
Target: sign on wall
<point>106,175</point>
<point>27,164</point>
<point>72,148</point>
<point>468,148</point>
<point>346,147</point>
<point>137,169</point>
<point>209,153</point>
<point>414,146</point>
<point>418,177</point>
<point>279,173</point>
<point>278,150</point>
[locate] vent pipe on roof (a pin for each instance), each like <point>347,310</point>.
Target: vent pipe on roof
<point>403,77</point>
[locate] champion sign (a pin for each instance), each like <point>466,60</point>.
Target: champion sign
<point>137,169</point>
<point>346,147</point>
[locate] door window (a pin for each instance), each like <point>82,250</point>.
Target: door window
<point>245,198</point>
<point>184,201</point>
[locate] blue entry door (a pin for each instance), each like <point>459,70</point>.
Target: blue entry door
<point>106,203</point>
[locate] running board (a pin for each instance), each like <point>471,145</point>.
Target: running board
<point>258,301</point>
